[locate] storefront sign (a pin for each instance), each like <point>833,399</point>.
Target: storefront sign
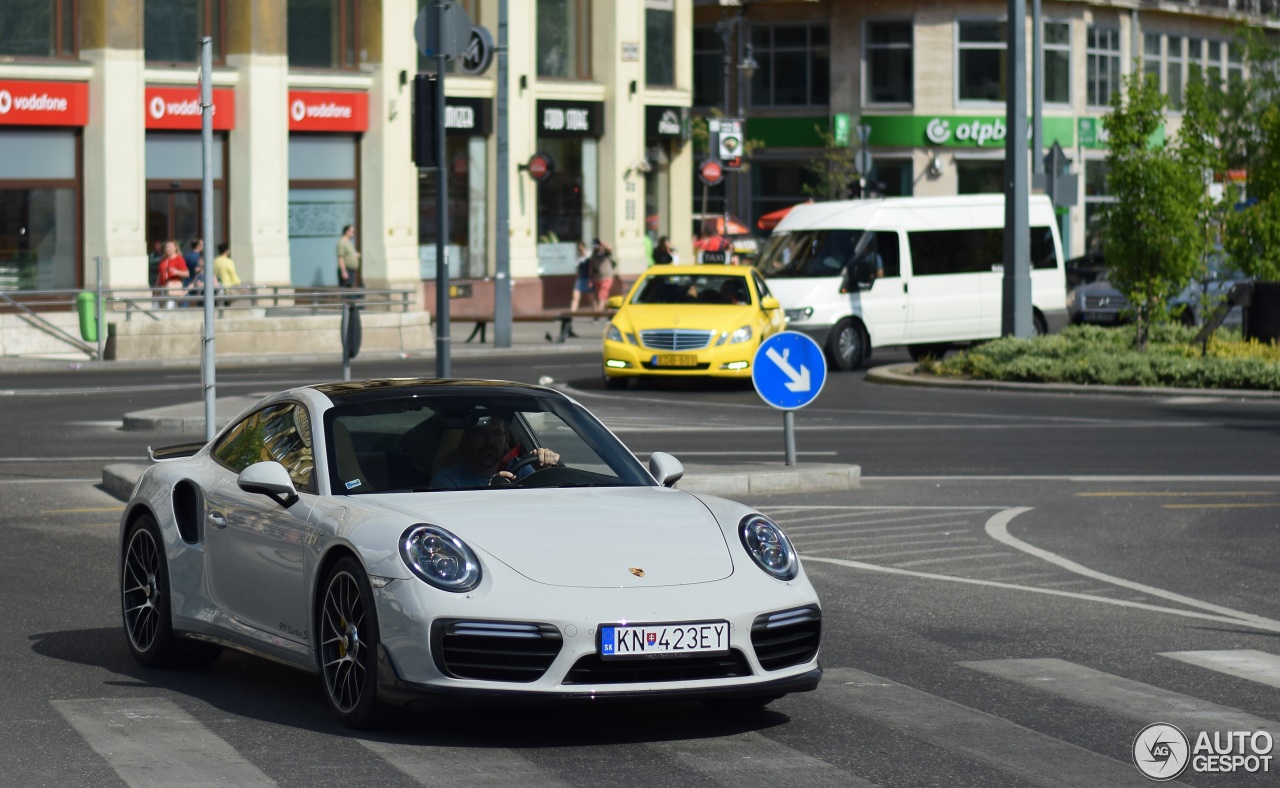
<point>1093,134</point>
<point>24,103</point>
<point>179,108</point>
<point>328,110</point>
<point>666,122</point>
<point>541,166</point>
<point>958,131</point>
<point>570,119</point>
<point>479,53</point>
<point>711,173</point>
<point>467,117</point>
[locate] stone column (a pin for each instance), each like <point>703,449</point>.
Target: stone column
<point>523,135</point>
<point>621,220</point>
<point>259,176</point>
<point>115,221</point>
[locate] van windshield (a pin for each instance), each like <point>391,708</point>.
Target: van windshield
<point>812,252</point>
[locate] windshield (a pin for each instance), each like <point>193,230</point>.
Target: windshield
<point>457,441</point>
<point>812,252</point>
<point>691,289</point>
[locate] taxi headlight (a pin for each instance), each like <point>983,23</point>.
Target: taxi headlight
<point>768,546</point>
<point>440,558</point>
<point>741,335</point>
<point>613,334</point>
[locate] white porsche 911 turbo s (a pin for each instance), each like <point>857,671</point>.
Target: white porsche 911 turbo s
<point>407,539</point>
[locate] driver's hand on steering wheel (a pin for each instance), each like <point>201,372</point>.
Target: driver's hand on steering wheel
<point>546,458</point>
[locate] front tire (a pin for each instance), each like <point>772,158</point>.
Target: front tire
<point>348,629</point>
<point>847,345</point>
<point>144,596</point>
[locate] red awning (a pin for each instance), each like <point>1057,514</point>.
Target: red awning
<point>770,220</point>
<point>716,225</point>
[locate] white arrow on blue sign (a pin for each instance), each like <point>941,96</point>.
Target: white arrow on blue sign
<point>789,370</point>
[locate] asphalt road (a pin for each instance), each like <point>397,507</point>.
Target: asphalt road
<point>1022,584</point>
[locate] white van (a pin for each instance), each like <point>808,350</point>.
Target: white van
<point>925,272</point>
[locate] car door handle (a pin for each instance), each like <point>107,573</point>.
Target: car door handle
<point>904,287</point>
<point>218,519</point>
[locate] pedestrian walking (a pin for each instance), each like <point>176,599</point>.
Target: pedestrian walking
<point>582,278</point>
<point>602,272</point>
<point>348,258</point>
<point>664,253</point>
<point>171,273</point>
<point>224,270</point>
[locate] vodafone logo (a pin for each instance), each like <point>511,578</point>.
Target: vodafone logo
<point>6,102</point>
<point>157,107</point>
<point>36,102</point>
<point>299,110</point>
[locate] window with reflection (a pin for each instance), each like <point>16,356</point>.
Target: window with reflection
<point>281,433</point>
<point>708,67</point>
<point>1057,62</point>
<point>890,71</point>
<point>982,60</point>
<point>794,65</point>
<point>38,28</point>
<point>324,33</point>
<point>564,39</point>
<point>659,43</point>
<point>1102,76</point>
<point>172,29</point>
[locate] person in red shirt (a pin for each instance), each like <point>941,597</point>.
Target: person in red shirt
<point>172,272</point>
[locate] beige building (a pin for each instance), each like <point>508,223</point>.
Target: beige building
<point>100,143</point>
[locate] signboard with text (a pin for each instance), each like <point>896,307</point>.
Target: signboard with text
<point>328,110</point>
<point>570,118</point>
<point>30,103</point>
<point>179,108</point>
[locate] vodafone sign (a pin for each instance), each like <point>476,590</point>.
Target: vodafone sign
<point>328,110</point>
<point>179,108</point>
<point>24,103</point>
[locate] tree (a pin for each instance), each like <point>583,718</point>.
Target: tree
<point>1150,242</point>
<point>832,171</point>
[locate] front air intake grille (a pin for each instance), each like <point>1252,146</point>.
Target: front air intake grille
<point>592,669</point>
<point>1116,301</point>
<point>676,339</point>
<point>787,638</point>
<point>494,650</point>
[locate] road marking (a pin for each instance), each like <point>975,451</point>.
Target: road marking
<point>751,759</point>
<point>1256,666</point>
<point>1165,494</point>
<point>924,561</point>
<point>463,767</point>
<point>895,554</point>
<point>46,481</point>
<point>1037,758</point>
<point>879,538</point>
<point>82,511</point>
<point>153,742</point>
<point>998,529</point>
<point>1121,696</point>
<point>1219,505</point>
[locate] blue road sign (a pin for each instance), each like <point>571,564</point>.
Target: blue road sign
<point>788,370</point>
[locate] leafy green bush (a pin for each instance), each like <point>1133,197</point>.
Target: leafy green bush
<point>1106,356</point>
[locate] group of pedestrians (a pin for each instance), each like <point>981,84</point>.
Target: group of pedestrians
<point>183,274</point>
<point>595,273</point>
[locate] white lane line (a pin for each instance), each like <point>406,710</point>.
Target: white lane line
<point>463,767</point>
<point>924,561</point>
<point>887,539</point>
<point>881,556</point>
<point>893,529</point>
<point>153,742</point>
<point>752,760</point>
<point>1248,664</point>
<point>998,528</point>
<point>1253,623</point>
<point>877,542</point>
<point>928,516</point>
<point>1121,696</point>
<point>1028,755</point>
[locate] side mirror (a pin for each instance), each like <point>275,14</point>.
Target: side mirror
<point>614,302</point>
<point>769,302</point>
<point>665,468</point>
<point>271,479</point>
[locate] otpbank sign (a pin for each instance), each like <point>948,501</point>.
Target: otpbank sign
<point>30,103</point>
<point>958,131</point>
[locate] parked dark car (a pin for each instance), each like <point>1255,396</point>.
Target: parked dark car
<point>1099,303</point>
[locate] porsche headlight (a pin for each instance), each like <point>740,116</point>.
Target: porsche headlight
<point>741,335</point>
<point>440,558</point>
<point>770,548</point>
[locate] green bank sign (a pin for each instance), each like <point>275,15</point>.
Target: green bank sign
<point>958,131</point>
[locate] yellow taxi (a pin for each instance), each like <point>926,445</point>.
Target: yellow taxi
<point>690,320</point>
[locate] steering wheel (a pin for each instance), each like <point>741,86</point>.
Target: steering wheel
<point>526,461</point>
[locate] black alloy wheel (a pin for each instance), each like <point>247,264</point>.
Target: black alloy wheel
<point>144,595</point>
<point>348,627</point>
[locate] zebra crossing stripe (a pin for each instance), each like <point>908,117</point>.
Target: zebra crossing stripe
<point>1121,696</point>
<point>1256,666</point>
<point>752,760</point>
<point>463,767</point>
<point>153,742</point>
<point>1029,755</point>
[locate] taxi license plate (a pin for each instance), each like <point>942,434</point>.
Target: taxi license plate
<point>637,641</point>
<point>675,361</point>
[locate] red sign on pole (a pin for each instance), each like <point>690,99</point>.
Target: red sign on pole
<point>328,110</point>
<point>540,167</point>
<point>179,108</point>
<point>24,103</point>
<point>711,173</point>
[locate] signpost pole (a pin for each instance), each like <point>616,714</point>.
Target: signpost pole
<point>789,429</point>
<point>442,205</point>
<point>1016,316</point>
<point>207,368</point>
<point>502,219</point>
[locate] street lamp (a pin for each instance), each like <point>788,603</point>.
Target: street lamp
<point>727,28</point>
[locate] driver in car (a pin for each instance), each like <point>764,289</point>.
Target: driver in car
<point>483,457</point>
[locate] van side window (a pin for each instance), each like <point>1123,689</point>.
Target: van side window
<point>1043,255</point>
<point>937,252</point>
<point>890,256</point>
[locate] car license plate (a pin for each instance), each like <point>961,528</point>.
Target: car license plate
<point>664,640</point>
<point>675,361</point>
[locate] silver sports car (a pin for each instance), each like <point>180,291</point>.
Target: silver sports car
<point>406,539</point>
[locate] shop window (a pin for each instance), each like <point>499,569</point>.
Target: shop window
<point>568,202</point>
<point>1103,59</point>
<point>465,171</point>
<point>980,176</point>
<point>39,210</point>
<point>1173,73</point>
<point>982,59</point>
<point>890,70</point>
<point>428,64</point>
<point>1057,62</point>
<point>708,67</point>
<point>323,33</point>
<point>39,28</point>
<point>794,65</point>
<point>322,200</point>
<point>564,39</point>
<point>659,43</point>
<point>172,29</point>
<point>894,177</point>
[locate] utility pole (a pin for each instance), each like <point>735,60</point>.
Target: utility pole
<point>502,218</point>
<point>1016,314</point>
<point>207,366</point>
<point>443,367</point>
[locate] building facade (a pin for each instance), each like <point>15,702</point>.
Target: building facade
<point>927,80</point>
<point>100,147</point>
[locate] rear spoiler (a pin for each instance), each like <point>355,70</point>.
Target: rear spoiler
<point>174,452</point>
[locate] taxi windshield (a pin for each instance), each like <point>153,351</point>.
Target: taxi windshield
<point>693,289</point>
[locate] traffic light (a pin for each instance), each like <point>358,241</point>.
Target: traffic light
<point>424,120</point>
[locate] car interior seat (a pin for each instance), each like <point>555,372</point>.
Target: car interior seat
<point>357,471</point>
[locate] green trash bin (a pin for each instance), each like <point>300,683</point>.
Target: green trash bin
<point>87,306</point>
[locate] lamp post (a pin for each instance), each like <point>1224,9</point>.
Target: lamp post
<point>729,28</point>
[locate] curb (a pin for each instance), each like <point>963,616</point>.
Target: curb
<point>905,375</point>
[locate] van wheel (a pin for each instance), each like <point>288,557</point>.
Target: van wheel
<point>1038,325</point>
<point>847,345</point>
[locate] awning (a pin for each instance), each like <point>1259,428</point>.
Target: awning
<point>770,220</point>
